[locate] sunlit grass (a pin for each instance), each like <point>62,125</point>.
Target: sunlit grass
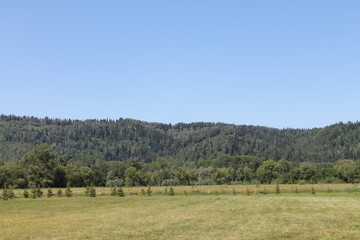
<point>219,189</point>
<point>325,215</point>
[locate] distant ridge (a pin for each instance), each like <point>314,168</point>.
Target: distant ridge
<point>125,139</point>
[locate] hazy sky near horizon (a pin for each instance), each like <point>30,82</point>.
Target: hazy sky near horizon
<point>271,63</point>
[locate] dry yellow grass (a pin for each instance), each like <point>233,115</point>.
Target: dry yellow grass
<point>220,189</point>
<point>333,215</point>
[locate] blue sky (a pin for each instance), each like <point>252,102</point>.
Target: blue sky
<point>271,63</point>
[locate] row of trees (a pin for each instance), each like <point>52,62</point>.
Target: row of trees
<point>42,167</point>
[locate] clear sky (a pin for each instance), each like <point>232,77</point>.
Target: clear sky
<point>271,63</point>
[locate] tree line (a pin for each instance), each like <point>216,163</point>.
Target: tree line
<point>42,167</point>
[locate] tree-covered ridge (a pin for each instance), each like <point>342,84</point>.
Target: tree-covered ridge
<point>126,139</point>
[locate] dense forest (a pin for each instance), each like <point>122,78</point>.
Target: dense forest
<point>126,152</point>
<point>126,139</point>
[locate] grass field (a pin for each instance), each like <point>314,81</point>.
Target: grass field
<point>328,214</point>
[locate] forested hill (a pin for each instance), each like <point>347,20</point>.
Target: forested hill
<point>124,139</point>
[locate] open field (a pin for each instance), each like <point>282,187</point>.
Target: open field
<point>324,215</point>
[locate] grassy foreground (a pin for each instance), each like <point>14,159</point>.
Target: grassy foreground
<point>326,215</point>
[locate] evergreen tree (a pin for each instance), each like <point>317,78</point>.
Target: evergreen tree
<point>68,191</point>
<point>50,193</point>
<point>120,192</point>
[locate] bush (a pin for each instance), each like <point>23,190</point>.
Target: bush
<point>312,190</point>
<point>59,192</point>
<point>149,191</point>
<point>5,193</point>
<point>11,192</point>
<point>26,193</point>
<point>36,192</point>
<point>87,191</point>
<point>120,192</point>
<point>39,192</point>
<point>171,191</point>
<point>68,191</point>
<point>50,193</point>
<point>248,192</point>
<point>113,191</point>
<point>277,189</point>
<point>92,192</point>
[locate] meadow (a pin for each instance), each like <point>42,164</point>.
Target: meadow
<point>198,212</point>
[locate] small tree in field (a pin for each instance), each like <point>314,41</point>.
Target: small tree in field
<point>5,193</point>
<point>120,192</point>
<point>68,191</point>
<point>50,193</point>
<point>59,192</point>
<point>149,191</point>
<point>39,192</point>
<point>113,191</point>
<point>87,191</point>
<point>34,191</point>
<point>26,193</point>
<point>171,191</point>
<point>277,189</point>
<point>92,192</point>
<point>11,192</point>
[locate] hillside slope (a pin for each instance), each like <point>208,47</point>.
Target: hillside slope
<point>124,139</point>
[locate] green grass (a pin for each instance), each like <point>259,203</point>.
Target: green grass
<point>324,215</point>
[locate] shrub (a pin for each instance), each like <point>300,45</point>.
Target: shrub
<point>248,192</point>
<point>5,193</point>
<point>39,192</point>
<point>149,191</point>
<point>312,190</point>
<point>59,192</point>
<point>171,191</point>
<point>33,192</point>
<point>36,192</point>
<point>120,192</point>
<point>50,193</point>
<point>233,191</point>
<point>92,192</point>
<point>113,191</point>
<point>87,191</point>
<point>11,192</point>
<point>68,191</point>
<point>143,192</point>
<point>26,193</point>
<point>277,189</point>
